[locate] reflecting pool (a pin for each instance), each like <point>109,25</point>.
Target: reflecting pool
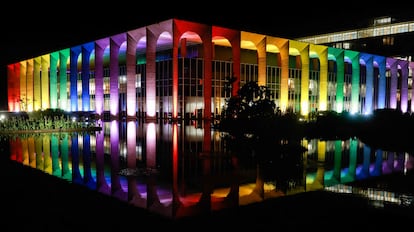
<point>179,169</point>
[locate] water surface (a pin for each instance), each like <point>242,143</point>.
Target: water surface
<point>180,169</point>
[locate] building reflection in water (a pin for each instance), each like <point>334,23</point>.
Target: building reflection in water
<point>178,170</point>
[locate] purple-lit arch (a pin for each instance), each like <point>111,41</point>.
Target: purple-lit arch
<point>367,61</point>
<point>100,46</point>
<point>116,42</point>
<point>403,70</point>
<point>392,67</point>
<point>135,44</point>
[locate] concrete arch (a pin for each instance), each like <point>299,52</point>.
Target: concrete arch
<point>136,41</point>
<point>380,62</point>
<point>303,50</point>
<point>205,33</point>
<point>256,42</point>
<point>100,46</point>
<point>392,67</point>
<point>63,66</point>
<point>281,46</point>
<point>75,53</point>
<point>367,60</point>
<point>87,50</point>
<point>403,67</point>
<point>220,36</point>
<point>13,81</point>
<point>411,70</point>
<point>153,35</point>
<point>338,56</point>
<point>321,52</point>
<point>353,58</point>
<point>54,60</point>
<point>115,44</point>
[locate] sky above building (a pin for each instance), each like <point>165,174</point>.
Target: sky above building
<point>28,33</point>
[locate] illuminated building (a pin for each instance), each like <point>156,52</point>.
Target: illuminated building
<point>179,69</point>
<point>385,35</point>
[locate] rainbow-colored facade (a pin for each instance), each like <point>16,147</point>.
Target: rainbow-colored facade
<point>180,69</point>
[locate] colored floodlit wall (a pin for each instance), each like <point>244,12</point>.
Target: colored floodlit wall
<point>37,98</point>
<point>62,79</point>
<point>54,58</point>
<point>44,94</point>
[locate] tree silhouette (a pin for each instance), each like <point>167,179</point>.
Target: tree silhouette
<point>228,85</point>
<point>255,129</point>
<point>251,102</point>
<point>252,113</point>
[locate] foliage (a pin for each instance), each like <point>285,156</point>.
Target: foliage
<point>255,130</point>
<point>252,113</point>
<point>39,114</point>
<point>253,101</point>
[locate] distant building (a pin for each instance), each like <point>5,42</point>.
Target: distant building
<point>385,36</point>
<point>180,69</point>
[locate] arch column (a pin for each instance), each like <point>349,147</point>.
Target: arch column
<point>369,85</point>
<point>44,94</point>
<point>381,61</point>
<point>322,52</point>
<point>354,57</point>
<point>340,77</point>
<point>131,76</point>
<point>23,86</point>
<point>404,85</point>
<point>392,65</point>
<point>63,92</point>
<point>37,97</point>
<point>411,66</point>
<point>150,83</point>
<point>100,46</point>
<point>283,46</point>
<point>54,57</point>
<point>86,53</point>
<point>115,44</point>
<point>261,62</point>
<point>208,73</point>
<point>74,54</point>
<point>13,82</point>
<point>30,85</point>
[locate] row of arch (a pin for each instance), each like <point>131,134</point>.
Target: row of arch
<point>30,88</point>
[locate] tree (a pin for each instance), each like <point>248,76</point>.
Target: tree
<point>228,85</point>
<point>255,129</point>
<point>252,112</point>
<point>251,102</point>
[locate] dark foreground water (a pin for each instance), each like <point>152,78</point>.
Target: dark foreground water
<point>186,174</point>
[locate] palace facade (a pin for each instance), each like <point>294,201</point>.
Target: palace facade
<point>181,69</point>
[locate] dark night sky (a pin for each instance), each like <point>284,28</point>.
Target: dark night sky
<point>43,34</point>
